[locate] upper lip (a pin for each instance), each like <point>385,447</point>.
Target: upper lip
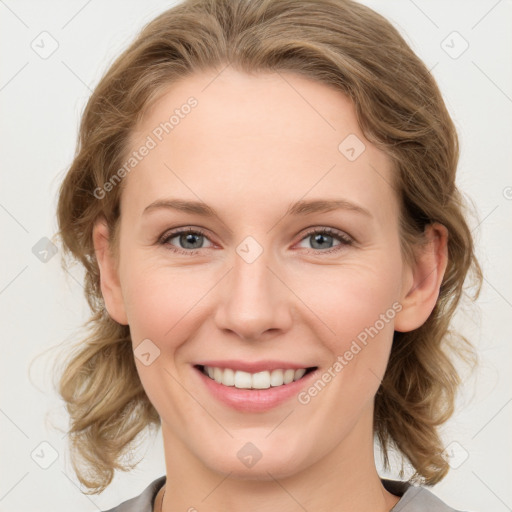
<point>254,366</point>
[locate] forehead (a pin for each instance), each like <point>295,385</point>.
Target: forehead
<point>261,136</point>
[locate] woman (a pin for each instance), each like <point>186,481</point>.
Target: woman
<point>306,155</point>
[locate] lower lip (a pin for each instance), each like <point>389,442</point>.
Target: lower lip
<point>254,400</point>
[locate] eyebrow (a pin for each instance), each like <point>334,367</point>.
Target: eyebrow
<point>301,207</point>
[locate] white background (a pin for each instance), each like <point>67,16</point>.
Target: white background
<point>41,306</point>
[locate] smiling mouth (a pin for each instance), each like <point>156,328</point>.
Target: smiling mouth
<point>260,380</point>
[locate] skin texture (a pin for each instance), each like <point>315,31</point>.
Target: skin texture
<point>253,145</point>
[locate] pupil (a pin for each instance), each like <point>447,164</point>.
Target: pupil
<point>319,238</point>
<point>189,238</point>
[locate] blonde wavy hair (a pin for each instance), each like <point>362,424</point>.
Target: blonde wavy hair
<point>400,110</point>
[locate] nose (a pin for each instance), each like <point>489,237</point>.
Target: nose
<point>254,300</point>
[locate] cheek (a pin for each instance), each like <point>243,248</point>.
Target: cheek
<point>359,309</point>
<point>159,300</point>
<point>163,305</point>
<point>358,303</point>
<point>349,299</point>
<point>167,304</point>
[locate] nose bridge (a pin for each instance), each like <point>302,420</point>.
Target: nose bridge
<point>255,300</point>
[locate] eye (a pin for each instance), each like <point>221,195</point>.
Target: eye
<point>190,239</point>
<point>322,239</point>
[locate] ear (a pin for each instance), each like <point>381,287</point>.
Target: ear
<point>423,278</point>
<point>109,279</point>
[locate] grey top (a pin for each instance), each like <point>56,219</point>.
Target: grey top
<point>412,498</point>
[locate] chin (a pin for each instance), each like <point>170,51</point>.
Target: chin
<point>261,471</point>
<point>261,460</point>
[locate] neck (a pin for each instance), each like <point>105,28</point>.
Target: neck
<point>344,479</point>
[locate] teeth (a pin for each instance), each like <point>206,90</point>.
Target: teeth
<point>228,377</point>
<point>288,376</point>
<point>260,380</point>
<point>243,380</point>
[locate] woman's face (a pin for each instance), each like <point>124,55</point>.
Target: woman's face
<point>273,279</point>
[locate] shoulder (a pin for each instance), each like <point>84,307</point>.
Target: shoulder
<point>415,499</point>
<point>412,498</point>
<point>144,501</point>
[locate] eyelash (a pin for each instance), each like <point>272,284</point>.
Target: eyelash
<point>341,237</point>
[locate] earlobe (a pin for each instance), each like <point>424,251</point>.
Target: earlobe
<point>109,279</point>
<point>424,279</point>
